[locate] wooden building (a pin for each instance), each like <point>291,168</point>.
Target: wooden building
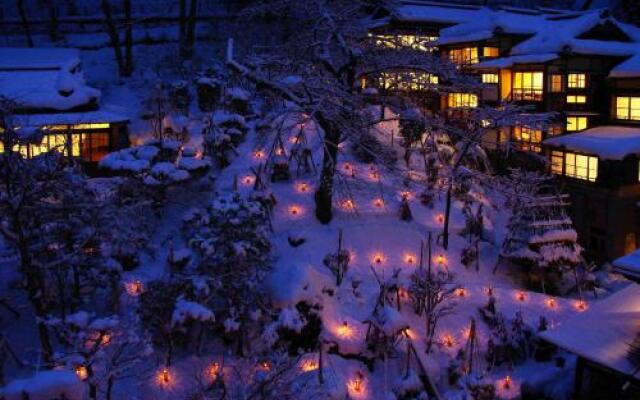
<point>605,367</point>
<point>52,103</point>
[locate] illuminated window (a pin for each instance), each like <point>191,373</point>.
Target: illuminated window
<point>528,86</point>
<point>459,100</point>
<point>576,81</point>
<point>464,56</point>
<point>576,123</point>
<point>628,108</point>
<point>94,146</point>
<point>556,83</point>
<point>490,52</point>
<point>576,99</point>
<point>557,159</point>
<point>489,78</point>
<point>555,130</point>
<point>527,139</point>
<point>416,42</point>
<point>580,166</point>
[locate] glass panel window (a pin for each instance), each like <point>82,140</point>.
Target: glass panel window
<point>459,100</point>
<point>468,55</point>
<point>407,80</point>
<point>576,81</point>
<point>576,124</point>
<point>576,99</point>
<point>628,108</point>
<point>527,139</point>
<point>489,78</point>
<point>416,42</point>
<point>490,52</point>
<point>528,86</point>
<point>557,159</point>
<point>556,83</point>
<point>581,166</point>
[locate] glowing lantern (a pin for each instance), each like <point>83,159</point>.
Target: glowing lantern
<point>265,366</point>
<point>402,292</point>
<point>134,288</point>
<point>489,291</point>
<point>440,218</point>
<point>378,202</point>
<point>106,339</point>
<point>344,330</point>
<point>410,333</point>
<point>293,139</point>
<point>303,187</point>
<point>164,378</point>
<point>309,365</point>
<point>248,180</point>
<point>81,372</point>
<point>552,303</point>
<point>295,210</point>
<point>405,194</point>
<point>506,384</point>
<point>214,370</point>
<point>441,260</point>
<point>409,258</point>
<point>374,175</point>
<point>348,205</point>
<point>348,167</point>
<point>448,341</point>
<point>521,296</point>
<point>378,258</point>
<point>356,385</point>
<point>258,154</point>
<point>581,305</point>
<point>461,292</point>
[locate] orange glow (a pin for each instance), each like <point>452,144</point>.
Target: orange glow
<point>81,372</point>
<point>521,296</point>
<point>356,385</point>
<point>466,333</point>
<point>410,333</point>
<point>439,218</point>
<point>581,305</point>
<point>345,331</point>
<point>488,290</point>
<point>213,370</point>
<point>378,258</point>
<point>403,293</point>
<point>106,339</point>
<point>293,139</point>
<point>164,378</point>
<point>134,288</point>
<point>258,154</point>
<point>378,203</point>
<point>409,258</point>
<point>462,292</point>
<point>265,366</point>
<point>295,210</point>
<point>441,260</point>
<point>506,383</point>
<point>348,167</point>
<point>374,175</point>
<point>302,187</point>
<point>406,194</point>
<point>309,365</point>
<point>348,205</point>
<point>551,303</point>
<point>448,341</point>
<point>248,180</point>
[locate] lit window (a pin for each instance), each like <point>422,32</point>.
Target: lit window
<point>576,99</point>
<point>576,124</point>
<point>464,56</point>
<point>628,108</point>
<point>416,42</point>
<point>458,100</point>
<point>528,86</point>
<point>555,130</point>
<point>556,83</point>
<point>489,78</point>
<point>580,166</point>
<point>490,52</point>
<point>407,80</point>
<point>557,160</point>
<point>527,139</point>
<point>576,81</point>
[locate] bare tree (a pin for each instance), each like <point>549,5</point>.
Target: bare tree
<point>114,37</point>
<point>25,21</point>
<point>128,39</point>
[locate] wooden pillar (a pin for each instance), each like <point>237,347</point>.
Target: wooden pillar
<point>579,378</point>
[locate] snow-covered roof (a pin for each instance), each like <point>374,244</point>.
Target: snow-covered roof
<point>44,79</point>
<point>104,115</point>
<point>14,58</point>
<point>627,69</point>
<point>607,142</point>
<point>507,62</point>
<point>602,333</point>
<point>441,13</point>
<point>628,264</point>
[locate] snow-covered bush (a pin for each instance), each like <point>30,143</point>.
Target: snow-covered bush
<point>225,132</point>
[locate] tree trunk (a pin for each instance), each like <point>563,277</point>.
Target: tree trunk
<point>191,29</point>
<point>109,388</point>
<point>112,31</point>
<point>447,217</point>
<point>128,39</point>
<point>182,28</point>
<point>25,21</point>
<point>53,21</point>
<point>324,194</point>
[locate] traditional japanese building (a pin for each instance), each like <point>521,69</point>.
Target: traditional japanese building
<point>51,100</point>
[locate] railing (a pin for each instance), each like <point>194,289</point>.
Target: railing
<point>527,94</point>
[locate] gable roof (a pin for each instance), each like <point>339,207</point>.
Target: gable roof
<point>605,330</point>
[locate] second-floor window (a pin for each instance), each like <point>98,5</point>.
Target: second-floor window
<point>574,165</point>
<point>576,123</point>
<point>576,81</point>
<point>468,55</point>
<point>576,99</point>
<point>490,52</point>
<point>462,100</point>
<point>489,78</point>
<point>527,139</point>
<point>556,83</point>
<point>628,108</point>
<point>407,80</point>
<point>528,85</point>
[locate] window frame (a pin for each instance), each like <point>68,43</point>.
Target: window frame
<point>577,119</point>
<point>630,113</point>
<point>528,85</point>
<point>579,80</point>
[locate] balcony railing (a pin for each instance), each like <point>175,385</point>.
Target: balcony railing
<point>527,94</point>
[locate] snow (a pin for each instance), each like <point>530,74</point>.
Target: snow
<point>188,310</point>
<point>15,58</point>
<point>605,330</point>
<point>107,114</point>
<point>510,61</point>
<point>628,264</point>
<point>45,385</point>
<point>629,68</point>
<point>607,142</point>
<point>439,13</point>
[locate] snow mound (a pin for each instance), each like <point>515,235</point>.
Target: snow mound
<point>46,385</point>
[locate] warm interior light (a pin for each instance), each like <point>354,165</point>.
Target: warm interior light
<point>345,331</point>
<point>309,365</point>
